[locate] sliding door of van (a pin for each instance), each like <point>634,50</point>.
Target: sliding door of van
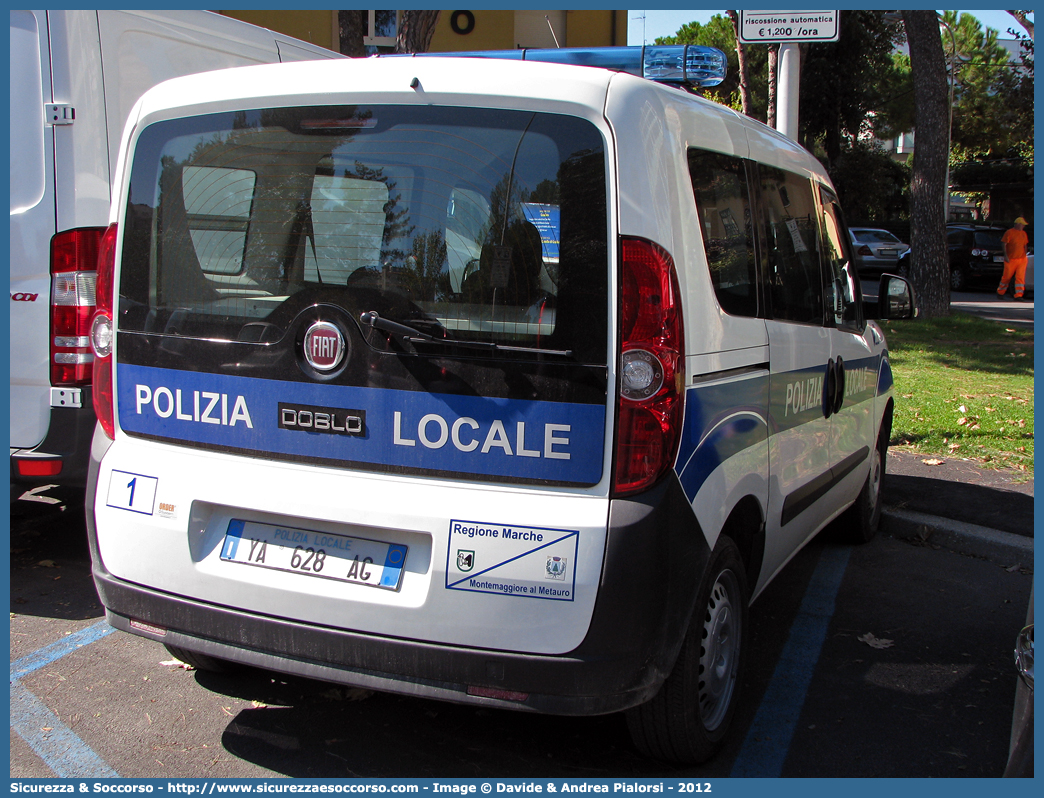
<point>800,349</point>
<point>856,366</point>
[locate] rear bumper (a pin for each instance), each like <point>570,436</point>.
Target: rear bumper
<point>68,440</point>
<point>977,271</point>
<point>655,555</point>
<point>983,269</point>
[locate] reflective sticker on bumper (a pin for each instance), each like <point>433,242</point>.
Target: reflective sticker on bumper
<point>529,562</point>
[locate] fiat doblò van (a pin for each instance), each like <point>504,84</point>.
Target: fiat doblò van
<point>502,382</point>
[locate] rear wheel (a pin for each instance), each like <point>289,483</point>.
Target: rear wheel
<point>201,662</point>
<point>687,720</point>
<point>903,266</point>
<point>958,280</point>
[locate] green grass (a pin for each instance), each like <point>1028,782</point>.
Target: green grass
<point>963,388</point>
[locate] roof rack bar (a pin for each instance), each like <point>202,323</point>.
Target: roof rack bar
<point>675,64</point>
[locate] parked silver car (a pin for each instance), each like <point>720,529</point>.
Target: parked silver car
<point>875,250</point>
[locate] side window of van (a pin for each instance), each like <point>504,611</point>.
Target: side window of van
<point>841,290</point>
<point>790,233</point>
<point>719,183</point>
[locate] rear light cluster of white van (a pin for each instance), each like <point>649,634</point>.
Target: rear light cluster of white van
<point>102,332</point>
<point>74,258</point>
<point>651,367</point>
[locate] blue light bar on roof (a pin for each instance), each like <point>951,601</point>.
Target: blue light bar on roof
<point>675,64</point>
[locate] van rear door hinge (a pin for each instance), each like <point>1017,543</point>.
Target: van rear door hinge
<point>59,114</point>
<point>66,397</point>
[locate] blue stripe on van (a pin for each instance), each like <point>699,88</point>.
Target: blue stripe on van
<point>884,380</point>
<point>505,438</point>
<point>721,420</point>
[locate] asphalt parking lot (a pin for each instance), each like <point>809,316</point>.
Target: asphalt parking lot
<point>890,659</point>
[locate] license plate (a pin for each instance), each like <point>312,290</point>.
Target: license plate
<point>889,253</point>
<point>998,259</point>
<point>319,554</point>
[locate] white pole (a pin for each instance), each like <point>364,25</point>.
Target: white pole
<point>789,89</point>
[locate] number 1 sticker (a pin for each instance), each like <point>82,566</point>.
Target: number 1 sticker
<point>133,492</point>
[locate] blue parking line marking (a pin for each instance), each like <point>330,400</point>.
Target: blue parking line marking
<point>58,649</point>
<point>54,742</point>
<point>765,748</point>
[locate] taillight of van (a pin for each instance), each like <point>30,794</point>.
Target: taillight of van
<point>651,367</point>
<point>74,259</point>
<point>102,332</point>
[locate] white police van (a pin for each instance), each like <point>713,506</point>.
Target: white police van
<point>502,382</point>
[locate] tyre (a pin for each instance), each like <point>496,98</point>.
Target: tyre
<point>903,266</point>
<point>201,662</point>
<point>859,523</point>
<point>687,720</point>
<point>958,280</point>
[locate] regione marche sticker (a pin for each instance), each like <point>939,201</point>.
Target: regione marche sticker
<point>528,562</point>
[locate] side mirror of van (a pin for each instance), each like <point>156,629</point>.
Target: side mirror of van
<point>895,300</point>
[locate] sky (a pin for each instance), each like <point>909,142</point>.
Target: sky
<point>667,23</point>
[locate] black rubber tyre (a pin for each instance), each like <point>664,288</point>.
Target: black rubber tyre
<point>958,280</point>
<point>201,662</point>
<point>859,523</point>
<point>903,267</point>
<point>687,720</point>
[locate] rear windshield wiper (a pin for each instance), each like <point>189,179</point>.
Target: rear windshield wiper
<point>371,318</point>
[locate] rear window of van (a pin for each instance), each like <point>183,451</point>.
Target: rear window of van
<point>473,224</point>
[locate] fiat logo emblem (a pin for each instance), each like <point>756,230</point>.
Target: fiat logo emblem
<point>323,346</point>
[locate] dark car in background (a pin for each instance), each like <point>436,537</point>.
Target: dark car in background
<point>976,255</point>
<point>875,251</point>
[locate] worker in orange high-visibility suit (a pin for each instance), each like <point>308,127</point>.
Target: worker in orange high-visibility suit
<point>1015,241</point>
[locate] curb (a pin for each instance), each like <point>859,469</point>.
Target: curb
<point>1002,548</point>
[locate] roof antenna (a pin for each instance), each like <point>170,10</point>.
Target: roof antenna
<point>549,25</point>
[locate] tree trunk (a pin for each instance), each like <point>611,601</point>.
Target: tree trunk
<point>930,271</point>
<point>773,64</point>
<point>351,29</point>
<point>744,72</point>
<point>415,31</point>
<point>1021,17</point>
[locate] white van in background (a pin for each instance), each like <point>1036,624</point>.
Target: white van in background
<point>75,75</point>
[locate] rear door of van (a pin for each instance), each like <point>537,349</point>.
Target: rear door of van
<point>32,226</point>
<point>386,322</point>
